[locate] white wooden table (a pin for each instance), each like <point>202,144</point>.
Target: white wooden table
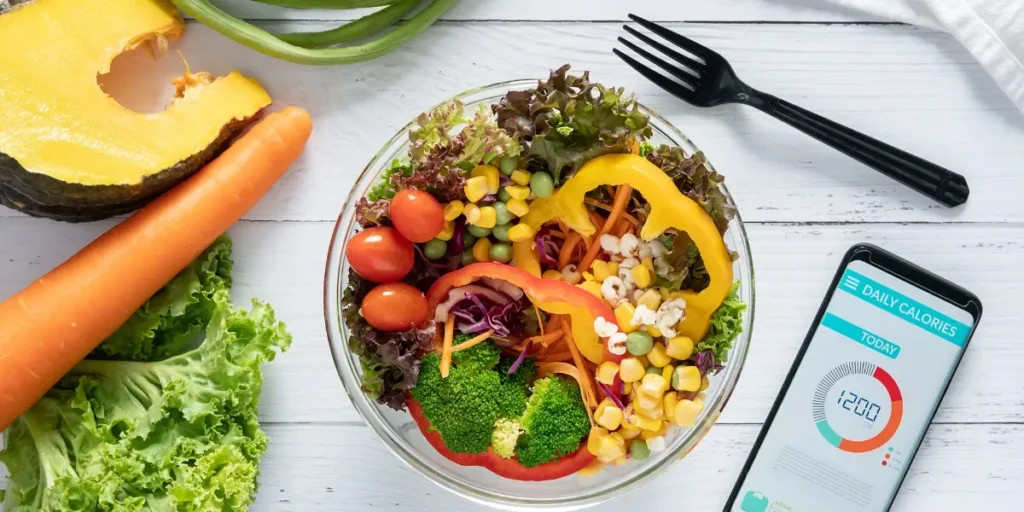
<point>803,204</point>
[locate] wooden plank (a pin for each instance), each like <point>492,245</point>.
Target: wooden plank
<point>913,88</point>
<point>283,264</point>
<point>541,10</point>
<point>309,468</point>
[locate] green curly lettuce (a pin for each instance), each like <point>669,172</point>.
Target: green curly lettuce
<point>725,326</point>
<point>143,434</point>
<point>568,120</point>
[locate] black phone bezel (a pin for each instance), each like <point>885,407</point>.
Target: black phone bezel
<point>901,269</point>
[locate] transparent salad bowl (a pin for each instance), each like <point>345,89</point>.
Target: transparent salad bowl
<point>398,430</point>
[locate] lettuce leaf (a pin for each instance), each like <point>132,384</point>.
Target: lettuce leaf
<point>726,326</point>
<point>568,120</point>
<point>694,178</point>
<point>145,434</point>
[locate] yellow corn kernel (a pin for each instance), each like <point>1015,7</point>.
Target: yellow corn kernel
<point>704,383</point>
<point>668,404</point>
<point>475,189</point>
<point>521,233</point>
<point>658,432</point>
<point>651,299</point>
<point>646,400</point>
<point>593,287</point>
<point>518,191</point>
<point>608,415</point>
<point>472,213</point>
<point>552,274</point>
<point>448,231</point>
<point>641,276</point>
<point>680,347</point>
<point>666,372</point>
<point>686,378</point>
<point>700,398</point>
<point>611,447</point>
<point>517,207</point>
<point>482,250</point>
<point>613,268</point>
<point>624,317</point>
<point>488,217</point>
<point>597,434</point>
<point>592,469</point>
<point>686,413</point>
<point>654,331</point>
<point>606,372</point>
<point>664,292</point>
<point>645,424</point>
<point>489,172</point>
<point>628,431</point>
<point>648,262</point>
<point>630,369</point>
<point>644,361</point>
<point>521,177</point>
<point>654,385</point>
<point>587,276</point>
<point>657,356</point>
<point>677,295</point>
<point>453,209</point>
<point>654,413</point>
<point>600,270</point>
<point>627,387</point>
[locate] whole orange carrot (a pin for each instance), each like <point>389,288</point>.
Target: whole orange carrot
<point>47,328</point>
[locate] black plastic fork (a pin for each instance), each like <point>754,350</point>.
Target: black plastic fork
<point>705,79</point>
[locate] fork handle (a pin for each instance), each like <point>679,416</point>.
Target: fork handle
<point>938,183</point>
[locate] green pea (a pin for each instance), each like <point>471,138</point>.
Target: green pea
<point>478,231</point>
<point>502,215</point>
<point>468,240</point>
<point>435,249</point>
<point>503,195</point>
<point>639,343</point>
<point>508,165</point>
<point>638,449</point>
<point>501,232</point>
<point>467,257</point>
<point>541,184</point>
<point>653,370</point>
<point>501,252</point>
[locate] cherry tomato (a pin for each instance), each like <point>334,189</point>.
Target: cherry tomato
<point>380,254</point>
<point>417,215</point>
<point>394,307</point>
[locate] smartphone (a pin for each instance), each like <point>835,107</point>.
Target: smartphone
<point>865,385</point>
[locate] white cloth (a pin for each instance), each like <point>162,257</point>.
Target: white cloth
<point>992,30</point>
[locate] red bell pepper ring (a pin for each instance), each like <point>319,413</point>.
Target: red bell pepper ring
<point>507,468</point>
<point>549,295</point>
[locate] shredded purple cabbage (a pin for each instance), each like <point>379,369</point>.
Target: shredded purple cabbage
<point>519,360</point>
<point>547,248</point>
<point>614,397</point>
<point>477,313</point>
<point>705,362</point>
<point>457,244</point>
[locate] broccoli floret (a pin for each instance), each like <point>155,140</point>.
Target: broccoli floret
<point>506,433</point>
<point>483,356</point>
<point>461,407</point>
<point>515,387</point>
<point>554,424</point>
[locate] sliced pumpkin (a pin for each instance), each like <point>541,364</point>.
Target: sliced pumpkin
<point>67,149</point>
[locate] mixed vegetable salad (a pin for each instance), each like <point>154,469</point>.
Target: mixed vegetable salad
<point>543,290</point>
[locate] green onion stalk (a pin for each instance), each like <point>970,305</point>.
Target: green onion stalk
<point>316,48</point>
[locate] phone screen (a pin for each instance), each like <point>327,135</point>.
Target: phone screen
<point>861,399</point>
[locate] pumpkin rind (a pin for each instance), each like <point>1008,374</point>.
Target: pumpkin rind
<point>70,152</point>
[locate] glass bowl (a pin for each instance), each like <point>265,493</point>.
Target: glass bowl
<point>398,430</point>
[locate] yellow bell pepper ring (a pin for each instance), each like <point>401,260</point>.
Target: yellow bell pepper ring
<point>670,208</point>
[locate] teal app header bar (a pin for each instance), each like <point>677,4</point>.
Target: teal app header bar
<point>866,338</point>
<point>900,305</point>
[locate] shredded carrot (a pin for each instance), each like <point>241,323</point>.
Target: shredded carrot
<point>546,339</point>
<point>540,322</point>
<point>557,357</point>
<point>553,323</point>
<point>473,341</point>
<point>597,204</point>
<point>565,253</point>
<point>575,373</point>
<point>578,359</point>
<point>597,220</point>
<point>446,346</point>
<point>622,196</point>
<point>557,234</point>
<point>623,228</point>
